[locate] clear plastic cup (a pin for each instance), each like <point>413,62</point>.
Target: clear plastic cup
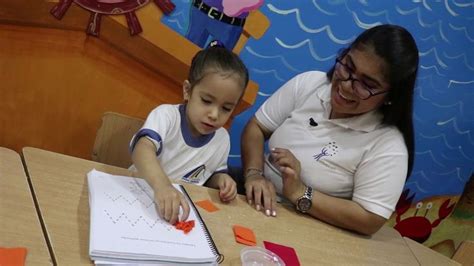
<point>257,256</point>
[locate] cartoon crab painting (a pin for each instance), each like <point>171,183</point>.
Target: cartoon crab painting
<point>111,7</point>
<point>416,227</point>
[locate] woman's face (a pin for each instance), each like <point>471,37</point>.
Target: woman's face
<point>366,67</point>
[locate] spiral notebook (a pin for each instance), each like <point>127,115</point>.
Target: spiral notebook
<point>125,227</point>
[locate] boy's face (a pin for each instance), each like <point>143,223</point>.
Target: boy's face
<point>211,102</point>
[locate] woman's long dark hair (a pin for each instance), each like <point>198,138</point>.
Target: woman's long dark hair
<point>396,46</point>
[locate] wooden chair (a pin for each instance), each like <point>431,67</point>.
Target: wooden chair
<point>113,137</point>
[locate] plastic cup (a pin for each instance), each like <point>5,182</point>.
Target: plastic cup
<point>257,256</point>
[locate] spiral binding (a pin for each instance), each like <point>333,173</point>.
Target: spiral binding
<point>215,251</point>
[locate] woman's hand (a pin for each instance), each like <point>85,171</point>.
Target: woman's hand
<point>290,169</point>
<point>227,187</point>
<point>261,192</point>
<point>169,200</point>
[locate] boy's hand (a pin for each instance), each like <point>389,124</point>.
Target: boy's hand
<point>227,187</point>
<point>169,200</point>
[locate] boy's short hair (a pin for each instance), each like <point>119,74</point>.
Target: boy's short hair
<point>217,58</point>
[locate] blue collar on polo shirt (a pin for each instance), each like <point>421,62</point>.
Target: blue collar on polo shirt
<point>190,140</point>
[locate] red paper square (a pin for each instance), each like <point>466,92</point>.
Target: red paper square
<point>287,254</point>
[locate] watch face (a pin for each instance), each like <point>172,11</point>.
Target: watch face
<point>304,204</point>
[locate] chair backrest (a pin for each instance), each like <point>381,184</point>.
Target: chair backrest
<point>113,138</point>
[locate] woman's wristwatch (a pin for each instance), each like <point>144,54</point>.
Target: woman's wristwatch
<point>304,203</point>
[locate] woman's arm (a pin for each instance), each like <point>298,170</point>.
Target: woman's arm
<point>166,196</point>
<point>340,212</point>
<point>259,190</point>
<point>252,142</point>
<point>344,213</point>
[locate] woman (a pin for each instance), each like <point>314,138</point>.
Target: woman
<point>341,143</point>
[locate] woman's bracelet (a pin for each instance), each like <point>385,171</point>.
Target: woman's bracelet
<point>250,172</point>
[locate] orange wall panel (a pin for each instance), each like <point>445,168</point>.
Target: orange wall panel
<point>56,84</point>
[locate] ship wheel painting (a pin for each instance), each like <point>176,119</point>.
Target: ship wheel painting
<point>98,8</point>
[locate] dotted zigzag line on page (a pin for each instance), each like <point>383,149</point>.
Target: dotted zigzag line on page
<point>134,222</point>
<point>130,202</point>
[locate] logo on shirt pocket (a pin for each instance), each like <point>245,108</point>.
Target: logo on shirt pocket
<point>329,149</point>
<point>195,175</point>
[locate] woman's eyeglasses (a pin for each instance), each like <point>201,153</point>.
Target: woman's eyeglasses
<point>360,89</point>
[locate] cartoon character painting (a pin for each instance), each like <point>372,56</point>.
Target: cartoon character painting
<point>418,227</point>
<point>222,20</point>
<point>111,7</point>
<point>438,222</point>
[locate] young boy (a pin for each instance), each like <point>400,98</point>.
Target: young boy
<point>187,142</point>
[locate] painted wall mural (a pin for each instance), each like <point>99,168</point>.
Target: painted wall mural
<point>218,19</point>
<point>98,8</point>
<point>201,21</point>
<point>306,35</point>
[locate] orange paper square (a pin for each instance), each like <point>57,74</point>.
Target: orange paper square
<point>12,256</point>
<point>207,205</point>
<point>244,235</point>
<point>185,226</point>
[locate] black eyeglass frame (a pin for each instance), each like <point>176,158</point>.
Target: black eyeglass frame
<point>352,79</point>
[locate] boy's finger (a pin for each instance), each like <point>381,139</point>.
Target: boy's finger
<point>223,189</point>
<point>168,210</point>
<point>230,195</point>
<point>185,206</point>
<point>160,207</point>
<point>174,212</point>
<point>234,194</point>
<point>229,187</point>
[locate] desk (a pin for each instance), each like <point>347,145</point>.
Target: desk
<point>19,224</point>
<point>60,184</point>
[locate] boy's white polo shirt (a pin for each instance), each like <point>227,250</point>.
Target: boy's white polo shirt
<point>183,156</point>
<point>355,158</point>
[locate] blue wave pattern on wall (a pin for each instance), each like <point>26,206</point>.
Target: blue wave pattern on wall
<point>179,18</point>
<point>306,35</point>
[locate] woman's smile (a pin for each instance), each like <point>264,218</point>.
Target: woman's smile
<point>341,97</point>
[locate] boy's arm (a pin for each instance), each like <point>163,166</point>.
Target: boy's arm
<point>166,196</point>
<point>148,166</point>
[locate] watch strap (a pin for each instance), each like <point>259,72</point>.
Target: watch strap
<point>308,192</point>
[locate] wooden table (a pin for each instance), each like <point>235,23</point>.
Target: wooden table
<point>19,223</point>
<point>60,184</point>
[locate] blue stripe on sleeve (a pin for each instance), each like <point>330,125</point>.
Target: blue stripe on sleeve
<point>146,133</point>
<point>223,171</point>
